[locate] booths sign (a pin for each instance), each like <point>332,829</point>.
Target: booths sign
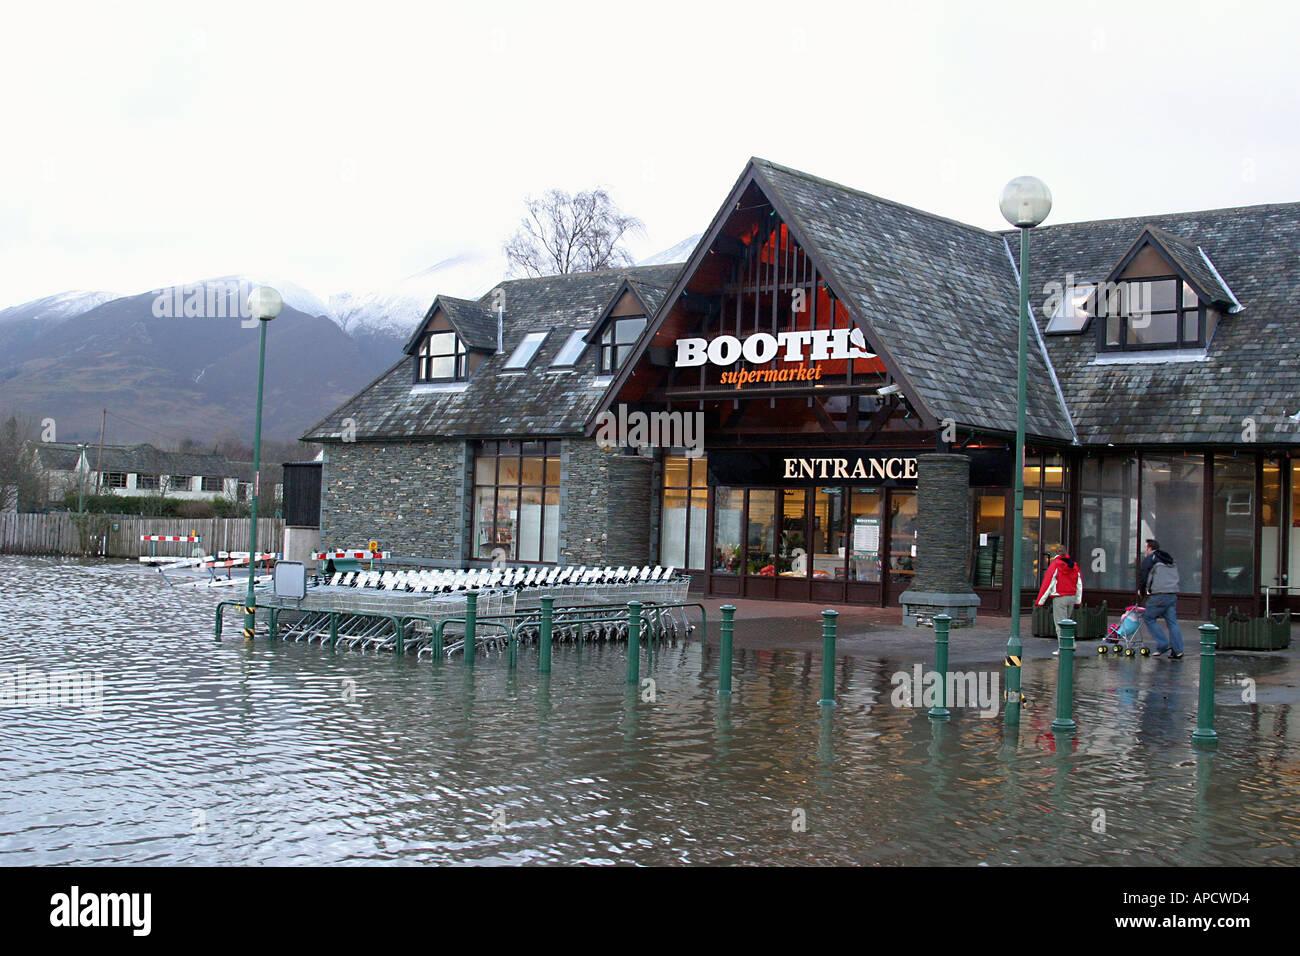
<point>805,347</point>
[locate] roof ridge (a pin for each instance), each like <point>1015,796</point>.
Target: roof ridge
<point>1148,218</point>
<point>875,198</point>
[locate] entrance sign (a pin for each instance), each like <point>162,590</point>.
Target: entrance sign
<point>807,467</point>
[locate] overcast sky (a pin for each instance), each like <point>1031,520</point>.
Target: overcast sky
<point>346,145</point>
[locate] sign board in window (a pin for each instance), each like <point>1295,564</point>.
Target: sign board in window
<point>866,537</point>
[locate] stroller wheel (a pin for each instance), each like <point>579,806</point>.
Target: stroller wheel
<point>1146,652</point>
<point>1129,652</point>
<point>1102,650</point>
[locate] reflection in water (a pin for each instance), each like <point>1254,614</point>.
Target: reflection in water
<point>285,753</point>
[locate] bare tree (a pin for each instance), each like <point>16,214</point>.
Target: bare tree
<point>564,233</point>
<point>20,478</point>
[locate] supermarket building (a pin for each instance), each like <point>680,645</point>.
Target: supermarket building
<point>852,362</point>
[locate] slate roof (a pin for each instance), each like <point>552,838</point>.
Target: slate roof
<point>494,402</point>
<point>1252,364</point>
<point>57,456</point>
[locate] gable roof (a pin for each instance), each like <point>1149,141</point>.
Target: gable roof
<point>142,459</point>
<point>496,402</point>
<point>936,299</point>
<point>474,322</point>
<point>1187,258</point>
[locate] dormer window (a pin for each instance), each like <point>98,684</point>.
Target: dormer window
<point>617,340</point>
<point>1162,312</point>
<point>441,358</point>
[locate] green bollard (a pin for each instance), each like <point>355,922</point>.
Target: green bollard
<point>941,624</point>
<point>1205,734</point>
<point>471,623</point>
<point>1065,680</point>
<point>544,639</point>
<point>400,631</point>
<point>634,643</point>
<point>828,657</point>
<point>1012,680</point>
<point>724,653</point>
<point>437,641</point>
<point>334,629</point>
<point>216,632</point>
<point>272,622</point>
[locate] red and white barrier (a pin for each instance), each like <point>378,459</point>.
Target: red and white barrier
<point>171,537</point>
<point>236,562</point>
<point>353,555</point>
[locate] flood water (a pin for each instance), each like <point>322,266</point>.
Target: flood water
<point>200,752</point>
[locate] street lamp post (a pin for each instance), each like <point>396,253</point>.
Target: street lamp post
<point>1025,203</point>
<point>264,304</point>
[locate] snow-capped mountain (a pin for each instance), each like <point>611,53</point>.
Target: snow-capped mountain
<point>53,308</point>
<point>396,309</point>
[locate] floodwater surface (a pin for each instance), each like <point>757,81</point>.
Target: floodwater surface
<point>190,751</point>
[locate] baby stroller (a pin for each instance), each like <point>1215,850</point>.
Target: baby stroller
<point>1125,635</point>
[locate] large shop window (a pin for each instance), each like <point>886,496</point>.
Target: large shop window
<point>1270,515</point>
<point>1108,518</point>
<point>840,538</point>
<point>990,510</point>
<point>1233,517</point>
<point>683,537</point>
<point>517,500</point>
<point>1173,506</point>
<point>1045,525</point>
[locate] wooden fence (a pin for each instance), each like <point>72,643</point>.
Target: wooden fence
<point>118,536</point>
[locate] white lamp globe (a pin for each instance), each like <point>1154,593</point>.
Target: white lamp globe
<point>1025,202</point>
<point>264,303</point>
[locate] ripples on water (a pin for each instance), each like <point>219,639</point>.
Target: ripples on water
<point>227,753</point>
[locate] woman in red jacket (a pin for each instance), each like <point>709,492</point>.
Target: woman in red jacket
<point>1063,583</point>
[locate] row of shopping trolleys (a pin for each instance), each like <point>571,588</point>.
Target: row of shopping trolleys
<point>442,581</point>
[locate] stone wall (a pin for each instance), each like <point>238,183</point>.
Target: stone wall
<point>411,497</point>
<point>605,504</point>
<point>942,582</point>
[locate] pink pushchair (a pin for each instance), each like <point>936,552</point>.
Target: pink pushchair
<point>1125,635</point>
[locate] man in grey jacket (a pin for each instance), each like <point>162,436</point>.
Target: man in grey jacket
<point>1158,588</point>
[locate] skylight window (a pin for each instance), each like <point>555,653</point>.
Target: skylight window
<point>572,350</point>
<point>525,350</point>
<point>1071,312</point>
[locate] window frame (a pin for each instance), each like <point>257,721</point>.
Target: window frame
<point>1180,312</point>
<point>697,482</point>
<point>425,356</point>
<point>505,450</point>
<point>539,338</point>
<point>613,353</point>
